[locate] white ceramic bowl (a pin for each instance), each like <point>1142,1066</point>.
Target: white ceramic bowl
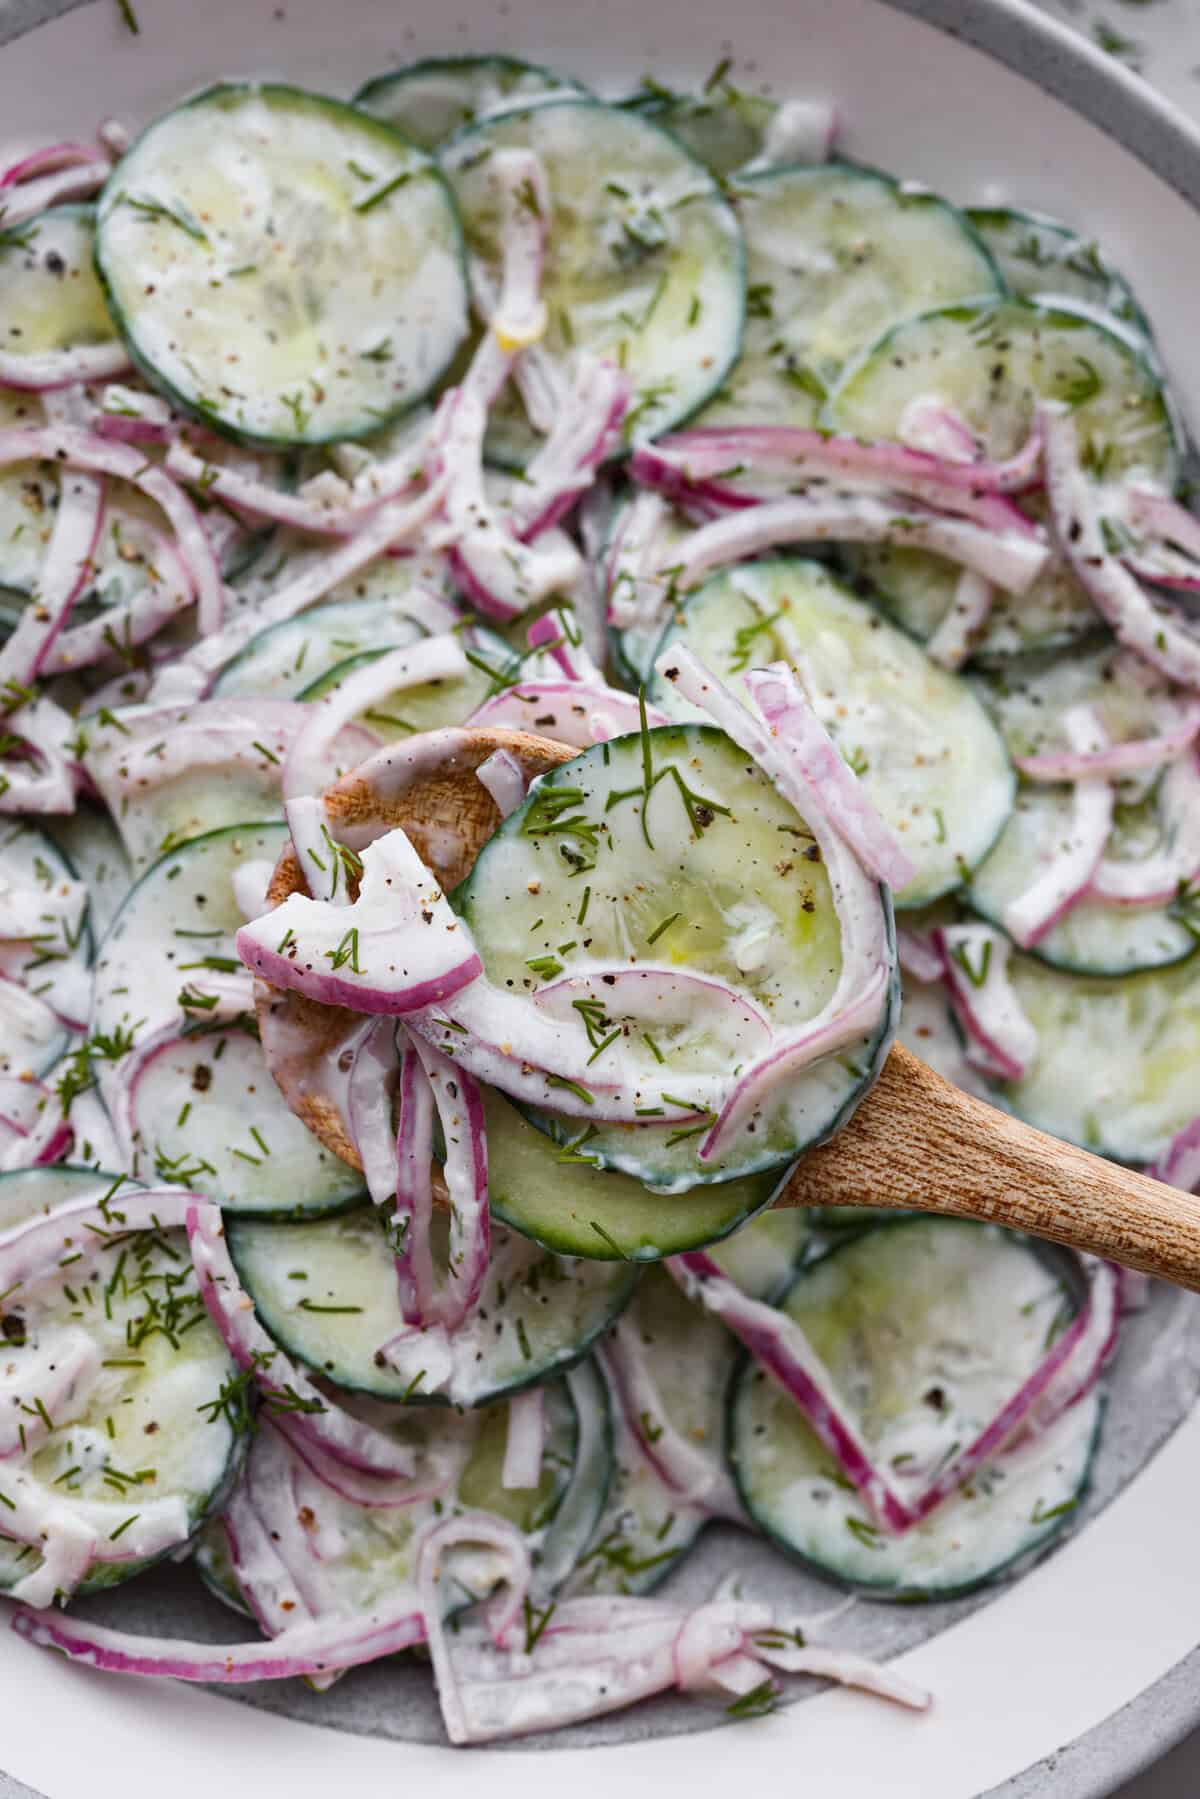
<point>985,101</point>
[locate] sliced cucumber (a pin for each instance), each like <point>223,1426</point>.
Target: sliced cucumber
<point>27,1193</point>
<point>722,127</point>
<point>643,255</point>
<point>28,501</point>
<point>1117,1062</point>
<point>927,1326</point>
<point>327,1293</point>
<point>1093,938</point>
<point>151,1425</point>
<point>50,298</point>
<point>1041,259</point>
<point>32,1038</point>
<point>929,757</point>
<point>1030,695</point>
<point>835,256</point>
<point>213,1119</point>
<point>94,850</point>
<point>991,364</point>
<point>562,1200</point>
<point>644,1531</point>
<point>210,1112</point>
<point>284,267</point>
<point>725,889</point>
<point>491,666</point>
<point>180,914</point>
<point>430,100</point>
<point>191,799</point>
<point>380,610</point>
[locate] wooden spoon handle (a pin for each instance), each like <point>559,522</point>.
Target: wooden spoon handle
<point>917,1141</point>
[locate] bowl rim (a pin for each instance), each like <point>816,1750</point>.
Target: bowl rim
<point>1055,57</point>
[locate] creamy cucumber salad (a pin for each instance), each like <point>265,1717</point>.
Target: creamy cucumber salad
<point>541,633</point>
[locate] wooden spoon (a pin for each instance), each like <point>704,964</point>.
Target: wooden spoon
<point>915,1141</point>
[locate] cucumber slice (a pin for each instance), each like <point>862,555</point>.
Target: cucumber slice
<point>562,1201</point>
<point>722,127</point>
<point>1117,1061</point>
<point>381,609</point>
<point>150,1427</point>
<point>643,255</point>
<point>930,759</point>
<point>210,1095</point>
<point>219,1125</point>
<point>927,1326</point>
<point>835,256</point>
<point>282,266</point>
<point>33,1039</point>
<point>1093,938</point>
<point>94,850</point>
<point>430,100</point>
<point>991,364</point>
<point>492,666</point>
<point>28,500</point>
<point>327,1293</point>
<point>1041,259</point>
<point>712,898</point>
<point>180,912</point>
<point>644,1532</point>
<point>27,1193</point>
<point>1030,695</point>
<point>50,298</point>
<point>190,800</point>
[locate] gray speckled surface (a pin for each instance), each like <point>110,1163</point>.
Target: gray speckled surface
<point>1159,1373</point>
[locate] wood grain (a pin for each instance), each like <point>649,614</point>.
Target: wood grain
<point>917,1141</point>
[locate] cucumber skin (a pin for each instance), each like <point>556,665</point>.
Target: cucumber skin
<point>536,1378</point>
<point>224,427</point>
<point>884,1590</point>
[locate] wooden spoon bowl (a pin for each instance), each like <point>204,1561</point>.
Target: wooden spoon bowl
<point>915,1140</point>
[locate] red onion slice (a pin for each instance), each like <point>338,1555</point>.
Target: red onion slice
<point>699,1479</point>
<point>1156,633</point>
<point>975,962</point>
<point>243,491</point>
<point>305,1651</point>
<point>1155,880</point>
<point>843,1022</point>
<point>439,658</point>
<point>956,635</point>
<point>929,425</point>
<point>1179,1166</point>
<point>1094,1333</point>
<point>459,1105</point>
<point>65,572</point>
<point>78,181</point>
<point>783,455</point>
<point>1010,559</point>
<point>337,1433</point>
<point>47,783</point>
<point>525,1443</point>
<point>586,431</point>
<point>47,370</point>
<point>1115,761</point>
<point>400,946</point>
<point>48,161</point>
<point>503,778</point>
<point>414,1193</point>
<point>802,737</point>
<point>918,957</point>
<point>1066,877</point>
<point>783,1351</point>
<point>167,592</point>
